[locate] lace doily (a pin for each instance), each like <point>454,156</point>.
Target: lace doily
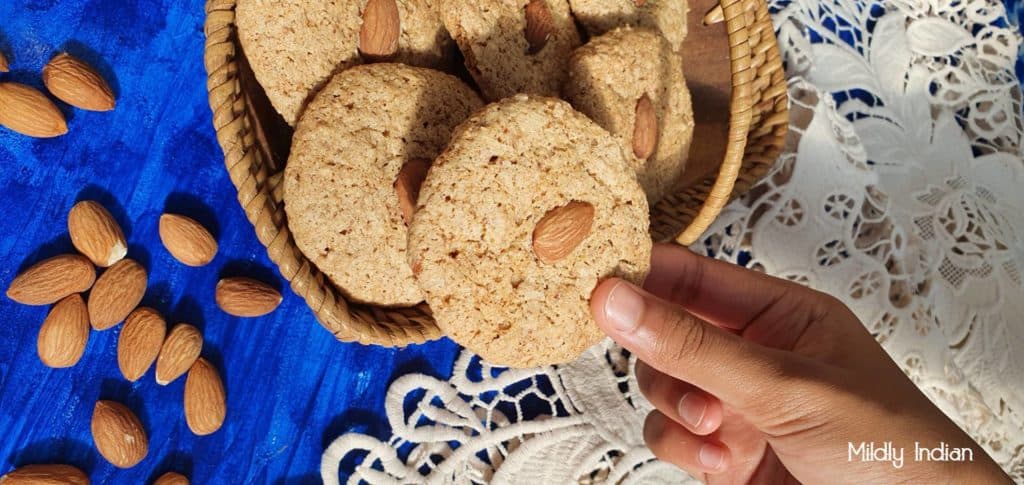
<point>899,192</point>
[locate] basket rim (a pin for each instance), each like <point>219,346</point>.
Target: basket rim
<point>234,122</point>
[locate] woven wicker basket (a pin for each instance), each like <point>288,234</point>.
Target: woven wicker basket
<point>255,141</point>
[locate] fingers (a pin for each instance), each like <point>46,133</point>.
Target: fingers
<point>698,411</point>
<point>679,345</point>
<point>697,455</point>
<point>727,295</point>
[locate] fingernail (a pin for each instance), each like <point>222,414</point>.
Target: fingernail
<point>711,456</point>
<point>692,408</point>
<point>624,307</point>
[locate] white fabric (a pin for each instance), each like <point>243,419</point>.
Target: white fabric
<point>901,192</point>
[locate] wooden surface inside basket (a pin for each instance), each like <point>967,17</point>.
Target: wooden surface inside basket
<point>734,72</point>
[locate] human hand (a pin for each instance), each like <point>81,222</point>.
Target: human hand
<point>758,379</point>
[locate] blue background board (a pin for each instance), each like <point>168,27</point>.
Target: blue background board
<point>292,388</point>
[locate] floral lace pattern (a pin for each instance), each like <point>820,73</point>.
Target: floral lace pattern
<point>898,192</point>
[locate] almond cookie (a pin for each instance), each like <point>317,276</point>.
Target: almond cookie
<point>513,46</point>
<point>529,207</point>
<point>665,16</point>
<point>631,83</point>
<point>359,153</point>
<point>294,46</point>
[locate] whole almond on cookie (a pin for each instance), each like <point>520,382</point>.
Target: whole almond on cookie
<point>52,279</point>
<point>96,234</point>
<point>27,111</point>
<point>180,350</point>
<point>116,293</point>
<point>118,434</point>
<point>140,341</point>
<point>246,297</point>
<point>187,240</point>
<point>76,83</point>
<point>561,230</point>
<point>64,334</point>
<point>539,25</point>
<point>45,474</point>
<point>171,478</point>
<point>381,28</point>
<point>645,131</point>
<point>408,184</point>
<point>205,402</point>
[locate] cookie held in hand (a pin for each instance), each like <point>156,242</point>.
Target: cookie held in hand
<point>531,205</point>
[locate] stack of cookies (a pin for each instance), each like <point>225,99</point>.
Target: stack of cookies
<point>484,156</point>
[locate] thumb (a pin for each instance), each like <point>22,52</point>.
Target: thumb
<point>666,337</point>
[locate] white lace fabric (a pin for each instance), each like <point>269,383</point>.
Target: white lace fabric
<point>901,192</point>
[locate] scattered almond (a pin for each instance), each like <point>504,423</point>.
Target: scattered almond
<point>30,112</point>
<point>117,292</point>
<point>118,434</point>
<point>205,405</point>
<point>64,333</point>
<point>50,280</point>
<point>76,83</point>
<point>181,349</point>
<point>246,297</point>
<point>171,478</point>
<point>408,184</point>
<point>4,67</point>
<point>640,3</point>
<point>96,234</point>
<point>539,25</point>
<point>378,36</point>
<point>50,474</point>
<point>561,230</point>
<point>645,131</point>
<point>187,240</point>
<point>140,342</point>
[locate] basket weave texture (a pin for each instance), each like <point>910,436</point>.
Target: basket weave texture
<point>255,146</point>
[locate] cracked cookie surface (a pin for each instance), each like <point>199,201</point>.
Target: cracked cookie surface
<point>665,16</point>
<point>492,36</point>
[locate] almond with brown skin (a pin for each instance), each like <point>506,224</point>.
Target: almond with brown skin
<point>27,111</point>
<point>96,234</point>
<point>539,25</point>
<point>171,478</point>
<point>50,280</point>
<point>180,350</point>
<point>4,67</point>
<point>408,184</point>
<point>76,83</point>
<point>205,403</point>
<point>49,474</point>
<point>246,297</point>
<point>378,36</point>
<point>187,240</point>
<point>645,131</point>
<point>561,230</point>
<point>140,342</point>
<point>118,434</point>
<point>117,292</point>
<point>640,3</point>
<point>64,333</point>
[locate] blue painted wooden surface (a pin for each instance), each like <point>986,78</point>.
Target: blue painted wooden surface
<point>291,387</point>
